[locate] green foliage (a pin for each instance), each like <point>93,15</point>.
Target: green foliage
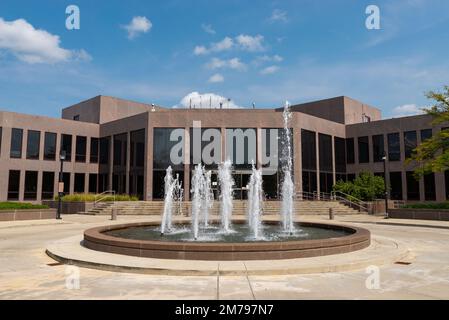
<point>88,197</point>
<point>432,155</point>
<point>366,187</point>
<point>20,206</point>
<point>442,205</point>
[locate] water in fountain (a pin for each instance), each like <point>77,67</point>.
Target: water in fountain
<point>197,198</point>
<point>226,197</point>
<point>208,197</point>
<point>288,188</point>
<point>255,202</point>
<point>170,185</point>
<point>178,195</point>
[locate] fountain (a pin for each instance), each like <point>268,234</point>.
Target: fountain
<point>170,185</point>
<point>208,197</point>
<point>288,188</point>
<point>226,197</point>
<point>255,202</point>
<point>197,198</point>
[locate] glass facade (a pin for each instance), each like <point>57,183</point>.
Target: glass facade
<point>396,185</point>
<point>94,148</point>
<point>16,143</point>
<point>429,187</point>
<point>137,163</point>
<point>378,148</point>
<point>412,186</point>
<point>394,147</point>
<point>120,163</point>
<point>66,145</point>
<point>48,185</point>
<point>363,149</point>
<point>78,186</point>
<point>33,144</point>
<point>13,185</point>
<point>30,185</point>
<point>325,153</point>
<point>309,166</point>
<point>50,146</point>
<point>81,145</point>
<point>340,155</point>
<point>426,134</point>
<point>410,143</point>
<point>93,179</point>
<point>350,153</point>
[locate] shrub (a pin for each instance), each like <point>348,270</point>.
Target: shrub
<point>89,197</point>
<point>366,187</point>
<point>442,205</point>
<point>20,206</point>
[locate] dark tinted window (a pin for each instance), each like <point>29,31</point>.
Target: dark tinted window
<point>394,148</point>
<point>325,145</point>
<point>104,150</point>
<point>138,148</point>
<point>410,143</point>
<point>363,149</point>
<point>66,145</point>
<point>16,143</point>
<point>33,144</point>
<point>309,181</point>
<point>50,146</point>
<point>120,146</point>
<point>66,180</point>
<point>396,185</point>
<point>378,147</point>
<point>429,187</point>
<point>340,155</point>
<point>308,149</point>
<point>13,185</point>
<point>93,183</point>
<point>412,186</point>
<point>79,183</point>
<point>426,134</point>
<point>48,185</point>
<point>81,143</point>
<point>30,185</point>
<point>93,150</point>
<point>350,157</point>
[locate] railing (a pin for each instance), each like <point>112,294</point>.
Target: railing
<point>101,196</point>
<point>349,200</point>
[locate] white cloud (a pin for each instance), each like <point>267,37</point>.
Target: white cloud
<point>279,15</point>
<point>250,43</point>
<point>199,50</point>
<point>407,110</point>
<point>269,70</point>
<point>205,100</point>
<point>138,25</point>
<point>208,28</point>
<point>235,64</point>
<point>266,58</point>
<point>35,45</point>
<point>216,78</point>
<point>223,45</point>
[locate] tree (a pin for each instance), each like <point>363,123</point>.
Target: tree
<point>432,155</point>
<point>366,187</point>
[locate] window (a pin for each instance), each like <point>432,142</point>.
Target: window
<point>350,158</point>
<point>309,181</point>
<point>396,185</point>
<point>394,148</point>
<point>50,146</point>
<point>363,149</point>
<point>378,148</point>
<point>80,149</point>
<point>410,143</point>
<point>308,147</point>
<point>325,145</point>
<point>30,185</point>
<point>426,134</point>
<point>104,150</point>
<point>162,147</point>
<point>33,144</point>
<point>340,155</point>
<point>13,185</point>
<point>93,150</point>
<point>66,145</point>
<point>93,183</point>
<point>351,177</point>
<point>79,183</point>
<point>429,187</point>
<point>66,180</point>
<point>16,143</point>
<point>412,186</point>
<point>326,182</point>
<point>48,185</point>
<point>120,146</point>
<point>76,118</point>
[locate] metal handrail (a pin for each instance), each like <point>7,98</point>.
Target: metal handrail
<point>351,200</point>
<point>103,196</point>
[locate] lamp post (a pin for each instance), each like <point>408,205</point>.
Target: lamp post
<point>384,158</point>
<point>62,156</point>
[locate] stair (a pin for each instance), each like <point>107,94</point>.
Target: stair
<point>270,208</point>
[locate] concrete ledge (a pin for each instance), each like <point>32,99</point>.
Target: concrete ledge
<point>381,251</point>
<point>419,214</point>
<point>70,207</point>
<point>32,214</point>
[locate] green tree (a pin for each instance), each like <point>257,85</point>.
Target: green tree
<point>432,155</point>
<point>366,187</point>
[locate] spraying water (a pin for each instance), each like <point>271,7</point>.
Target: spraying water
<point>170,184</point>
<point>226,182</point>
<point>288,188</point>
<point>208,197</point>
<point>197,198</point>
<point>255,202</point>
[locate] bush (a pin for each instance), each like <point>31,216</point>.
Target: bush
<point>442,205</point>
<point>89,197</point>
<point>20,206</point>
<point>366,187</point>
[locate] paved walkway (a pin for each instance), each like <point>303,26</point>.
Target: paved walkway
<point>26,272</point>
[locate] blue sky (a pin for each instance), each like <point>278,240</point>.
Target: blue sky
<point>250,51</point>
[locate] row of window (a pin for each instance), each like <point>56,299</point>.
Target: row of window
<point>393,146</point>
<point>34,141</point>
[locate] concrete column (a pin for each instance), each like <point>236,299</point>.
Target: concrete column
<point>317,152</point>
<point>39,186</point>
<point>111,162</point>
<point>186,163</point>
<point>148,166</point>
<point>439,182</point>
<point>4,156</point>
<point>57,164</point>
<point>334,173</point>
<point>128,161</point>
<point>297,158</point>
<point>259,148</point>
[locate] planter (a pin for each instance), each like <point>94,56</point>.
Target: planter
<point>27,214</point>
<point>70,207</point>
<point>419,214</point>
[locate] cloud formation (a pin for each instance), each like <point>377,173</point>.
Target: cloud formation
<point>137,26</point>
<point>278,16</point>
<point>206,100</point>
<point>216,78</point>
<point>243,42</point>
<point>208,28</point>
<point>33,45</point>
<point>234,63</point>
<point>407,110</point>
<point>269,70</point>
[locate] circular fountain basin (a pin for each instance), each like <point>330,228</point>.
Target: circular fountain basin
<point>145,240</point>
